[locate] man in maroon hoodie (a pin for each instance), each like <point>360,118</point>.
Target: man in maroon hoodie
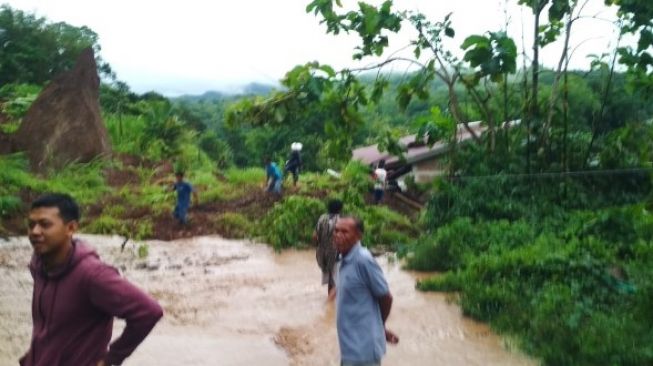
<point>76,295</point>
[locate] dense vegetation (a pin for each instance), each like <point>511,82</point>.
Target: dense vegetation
<point>542,229</point>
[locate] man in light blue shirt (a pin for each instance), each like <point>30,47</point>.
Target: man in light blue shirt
<point>363,299</point>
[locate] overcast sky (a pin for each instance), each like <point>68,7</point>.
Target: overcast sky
<point>188,47</point>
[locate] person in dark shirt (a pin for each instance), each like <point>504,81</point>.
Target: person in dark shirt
<point>294,163</point>
<point>184,190</point>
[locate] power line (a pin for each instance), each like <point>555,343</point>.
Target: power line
<point>549,175</point>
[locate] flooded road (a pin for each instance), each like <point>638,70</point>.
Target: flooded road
<point>237,303</point>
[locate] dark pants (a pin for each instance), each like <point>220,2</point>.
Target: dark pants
<point>378,195</point>
<point>275,186</point>
<point>180,213</point>
<point>295,174</point>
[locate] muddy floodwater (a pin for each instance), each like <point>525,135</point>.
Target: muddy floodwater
<point>232,302</point>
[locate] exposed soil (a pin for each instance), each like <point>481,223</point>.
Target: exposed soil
<point>390,200</point>
<point>253,204</point>
<point>121,177</point>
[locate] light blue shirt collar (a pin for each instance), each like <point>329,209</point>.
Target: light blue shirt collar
<point>352,252</point>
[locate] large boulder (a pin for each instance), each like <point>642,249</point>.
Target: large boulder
<point>64,124</point>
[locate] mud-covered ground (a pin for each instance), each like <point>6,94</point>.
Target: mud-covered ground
<point>239,303</point>
<point>253,204</point>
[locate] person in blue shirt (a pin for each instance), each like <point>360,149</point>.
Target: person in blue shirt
<point>184,190</point>
<point>273,176</point>
<point>363,299</point>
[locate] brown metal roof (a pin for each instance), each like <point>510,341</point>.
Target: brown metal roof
<point>371,154</point>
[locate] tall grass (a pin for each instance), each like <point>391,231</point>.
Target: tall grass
<point>248,176</point>
<point>84,181</point>
<point>126,132</point>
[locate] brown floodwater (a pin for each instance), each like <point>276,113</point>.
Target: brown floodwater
<point>230,302</point>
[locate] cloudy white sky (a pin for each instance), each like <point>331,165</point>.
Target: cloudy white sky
<point>188,47</point>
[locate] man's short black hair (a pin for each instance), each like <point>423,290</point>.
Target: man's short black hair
<point>334,206</point>
<point>68,208</point>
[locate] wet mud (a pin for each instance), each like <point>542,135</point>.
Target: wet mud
<point>232,302</point>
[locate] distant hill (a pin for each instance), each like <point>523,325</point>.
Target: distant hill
<point>258,89</point>
<point>214,95</point>
<point>206,96</point>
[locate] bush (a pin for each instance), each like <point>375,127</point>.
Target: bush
<point>454,244</point>
<point>15,99</point>
<point>561,297</point>
<point>291,222</point>
<point>107,225</point>
<point>383,227</point>
<point>126,133</point>
<point>315,182</point>
<point>14,173</point>
<point>218,150</point>
<point>234,225</point>
<point>356,177</point>
<point>9,205</point>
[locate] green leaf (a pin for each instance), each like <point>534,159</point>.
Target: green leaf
<point>404,95</point>
<point>328,70</point>
<point>475,40</point>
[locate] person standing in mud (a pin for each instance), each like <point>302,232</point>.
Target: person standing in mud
<point>326,253</point>
<point>379,176</point>
<point>273,177</point>
<point>184,190</point>
<point>76,295</point>
<point>363,299</point>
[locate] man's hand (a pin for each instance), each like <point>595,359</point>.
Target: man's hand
<point>390,337</point>
<point>332,294</point>
<point>101,363</point>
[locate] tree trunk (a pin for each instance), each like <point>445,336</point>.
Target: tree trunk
<point>565,116</point>
<point>457,114</point>
<point>556,81</point>
<point>604,100</point>
<point>535,68</point>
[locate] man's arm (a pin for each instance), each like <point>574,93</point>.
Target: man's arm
<point>116,296</point>
<point>385,304</point>
<point>373,275</point>
<point>196,200</point>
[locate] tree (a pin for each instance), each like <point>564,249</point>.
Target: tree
<point>492,56</point>
<point>32,50</point>
<point>317,104</point>
<point>637,18</point>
